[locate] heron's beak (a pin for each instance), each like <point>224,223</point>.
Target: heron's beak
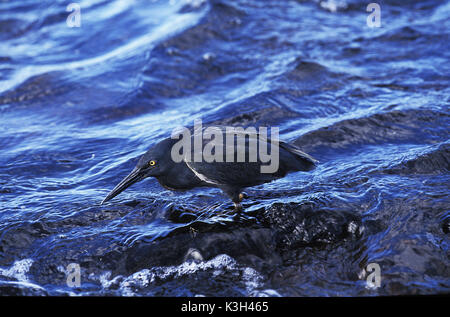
<point>135,176</point>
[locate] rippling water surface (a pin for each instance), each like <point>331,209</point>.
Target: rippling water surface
<point>78,106</point>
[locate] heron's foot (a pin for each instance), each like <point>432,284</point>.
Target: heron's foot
<point>238,207</point>
<point>238,212</point>
<point>193,232</point>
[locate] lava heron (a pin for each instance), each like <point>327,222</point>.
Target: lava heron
<point>231,174</point>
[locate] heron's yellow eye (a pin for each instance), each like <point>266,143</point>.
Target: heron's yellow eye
<point>152,163</point>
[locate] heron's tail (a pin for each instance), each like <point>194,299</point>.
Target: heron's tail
<point>308,162</point>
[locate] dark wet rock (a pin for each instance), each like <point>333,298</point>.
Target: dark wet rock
<point>263,117</point>
<point>16,241</point>
<point>285,228</point>
<point>297,225</point>
<point>220,17</point>
<point>308,77</point>
<point>394,127</point>
<point>13,288</point>
<point>308,70</point>
<point>34,89</point>
<point>210,240</point>
<point>445,223</point>
<point>435,162</point>
<point>180,75</point>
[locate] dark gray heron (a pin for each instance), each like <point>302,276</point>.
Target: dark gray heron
<point>217,167</point>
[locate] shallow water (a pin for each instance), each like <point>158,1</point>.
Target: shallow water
<point>78,106</point>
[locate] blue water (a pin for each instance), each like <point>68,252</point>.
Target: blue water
<point>79,105</point>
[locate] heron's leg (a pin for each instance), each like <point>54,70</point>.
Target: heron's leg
<point>237,204</point>
<point>235,195</point>
<point>237,198</point>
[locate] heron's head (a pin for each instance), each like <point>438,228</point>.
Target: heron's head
<point>155,162</point>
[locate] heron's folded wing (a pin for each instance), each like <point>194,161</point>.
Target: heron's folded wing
<point>226,170</point>
<point>230,173</point>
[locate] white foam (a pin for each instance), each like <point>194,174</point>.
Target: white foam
<point>133,284</point>
<point>333,5</point>
<point>18,270</point>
